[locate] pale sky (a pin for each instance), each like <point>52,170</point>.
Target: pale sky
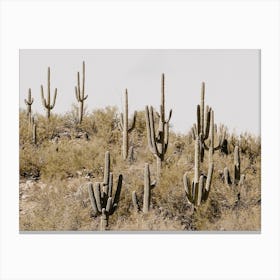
<point>232,79</point>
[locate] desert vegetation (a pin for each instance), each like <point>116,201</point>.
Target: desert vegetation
<point>101,171</point>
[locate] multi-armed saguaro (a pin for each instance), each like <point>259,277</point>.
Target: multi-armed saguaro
<point>203,125</point>
<point>158,143</point>
<point>147,191</point>
<point>47,102</point>
<point>28,103</point>
<point>101,195</point>
<point>198,191</point>
<point>125,127</point>
<point>80,94</point>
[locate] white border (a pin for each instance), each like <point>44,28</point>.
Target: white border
<point>156,24</point>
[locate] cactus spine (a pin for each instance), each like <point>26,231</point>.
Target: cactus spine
<point>148,186</point>
<point>101,195</point>
<point>158,144</point>
<point>47,102</point>
<point>198,191</point>
<point>125,127</point>
<point>203,122</point>
<point>29,103</point>
<point>80,94</point>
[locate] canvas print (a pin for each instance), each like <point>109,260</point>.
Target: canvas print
<point>139,141</point>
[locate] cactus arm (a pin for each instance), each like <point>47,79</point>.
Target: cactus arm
<point>117,193</point>
<point>166,137</point>
<point>77,94</point>
<point>207,122</point>
<point>170,115</point>
<point>202,108</point>
<point>132,125</point>
<point>198,119</point>
<point>97,195</point>
<point>227,177</point>
<point>44,102</point>
<point>209,177</point>
<point>135,201</point>
<point>110,186</point>
<point>109,205</point>
<point>151,130</point>
<point>54,99</point>
<point>92,198</point>
<point>200,190</point>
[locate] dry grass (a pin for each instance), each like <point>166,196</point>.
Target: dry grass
<point>53,194</point>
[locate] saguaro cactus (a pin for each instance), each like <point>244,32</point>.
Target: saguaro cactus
<point>238,178</point>
<point>158,143</point>
<point>80,93</point>
<point>147,191</point>
<point>29,102</point>
<point>125,127</point>
<point>47,102</point>
<point>101,196</point>
<point>198,191</point>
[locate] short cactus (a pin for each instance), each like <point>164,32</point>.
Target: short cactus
<point>101,195</point>
<point>34,132</point>
<point>148,186</point>
<point>238,178</point>
<point>47,102</point>
<point>80,93</point>
<point>29,102</point>
<point>158,144</point>
<point>125,127</point>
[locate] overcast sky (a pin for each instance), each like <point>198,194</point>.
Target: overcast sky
<point>232,80</point>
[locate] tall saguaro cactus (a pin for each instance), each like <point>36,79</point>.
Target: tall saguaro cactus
<point>125,127</point>
<point>80,93</point>
<point>148,186</point>
<point>101,196</point>
<point>198,191</point>
<point>29,102</point>
<point>203,122</point>
<point>158,142</point>
<point>47,102</point>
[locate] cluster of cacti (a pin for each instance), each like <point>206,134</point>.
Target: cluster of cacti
<point>101,195</point>
<point>158,141</point>
<point>148,186</point>
<point>47,102</point>
<point>125,127</point>
<point>238,178</point>
<point>80,93</point>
